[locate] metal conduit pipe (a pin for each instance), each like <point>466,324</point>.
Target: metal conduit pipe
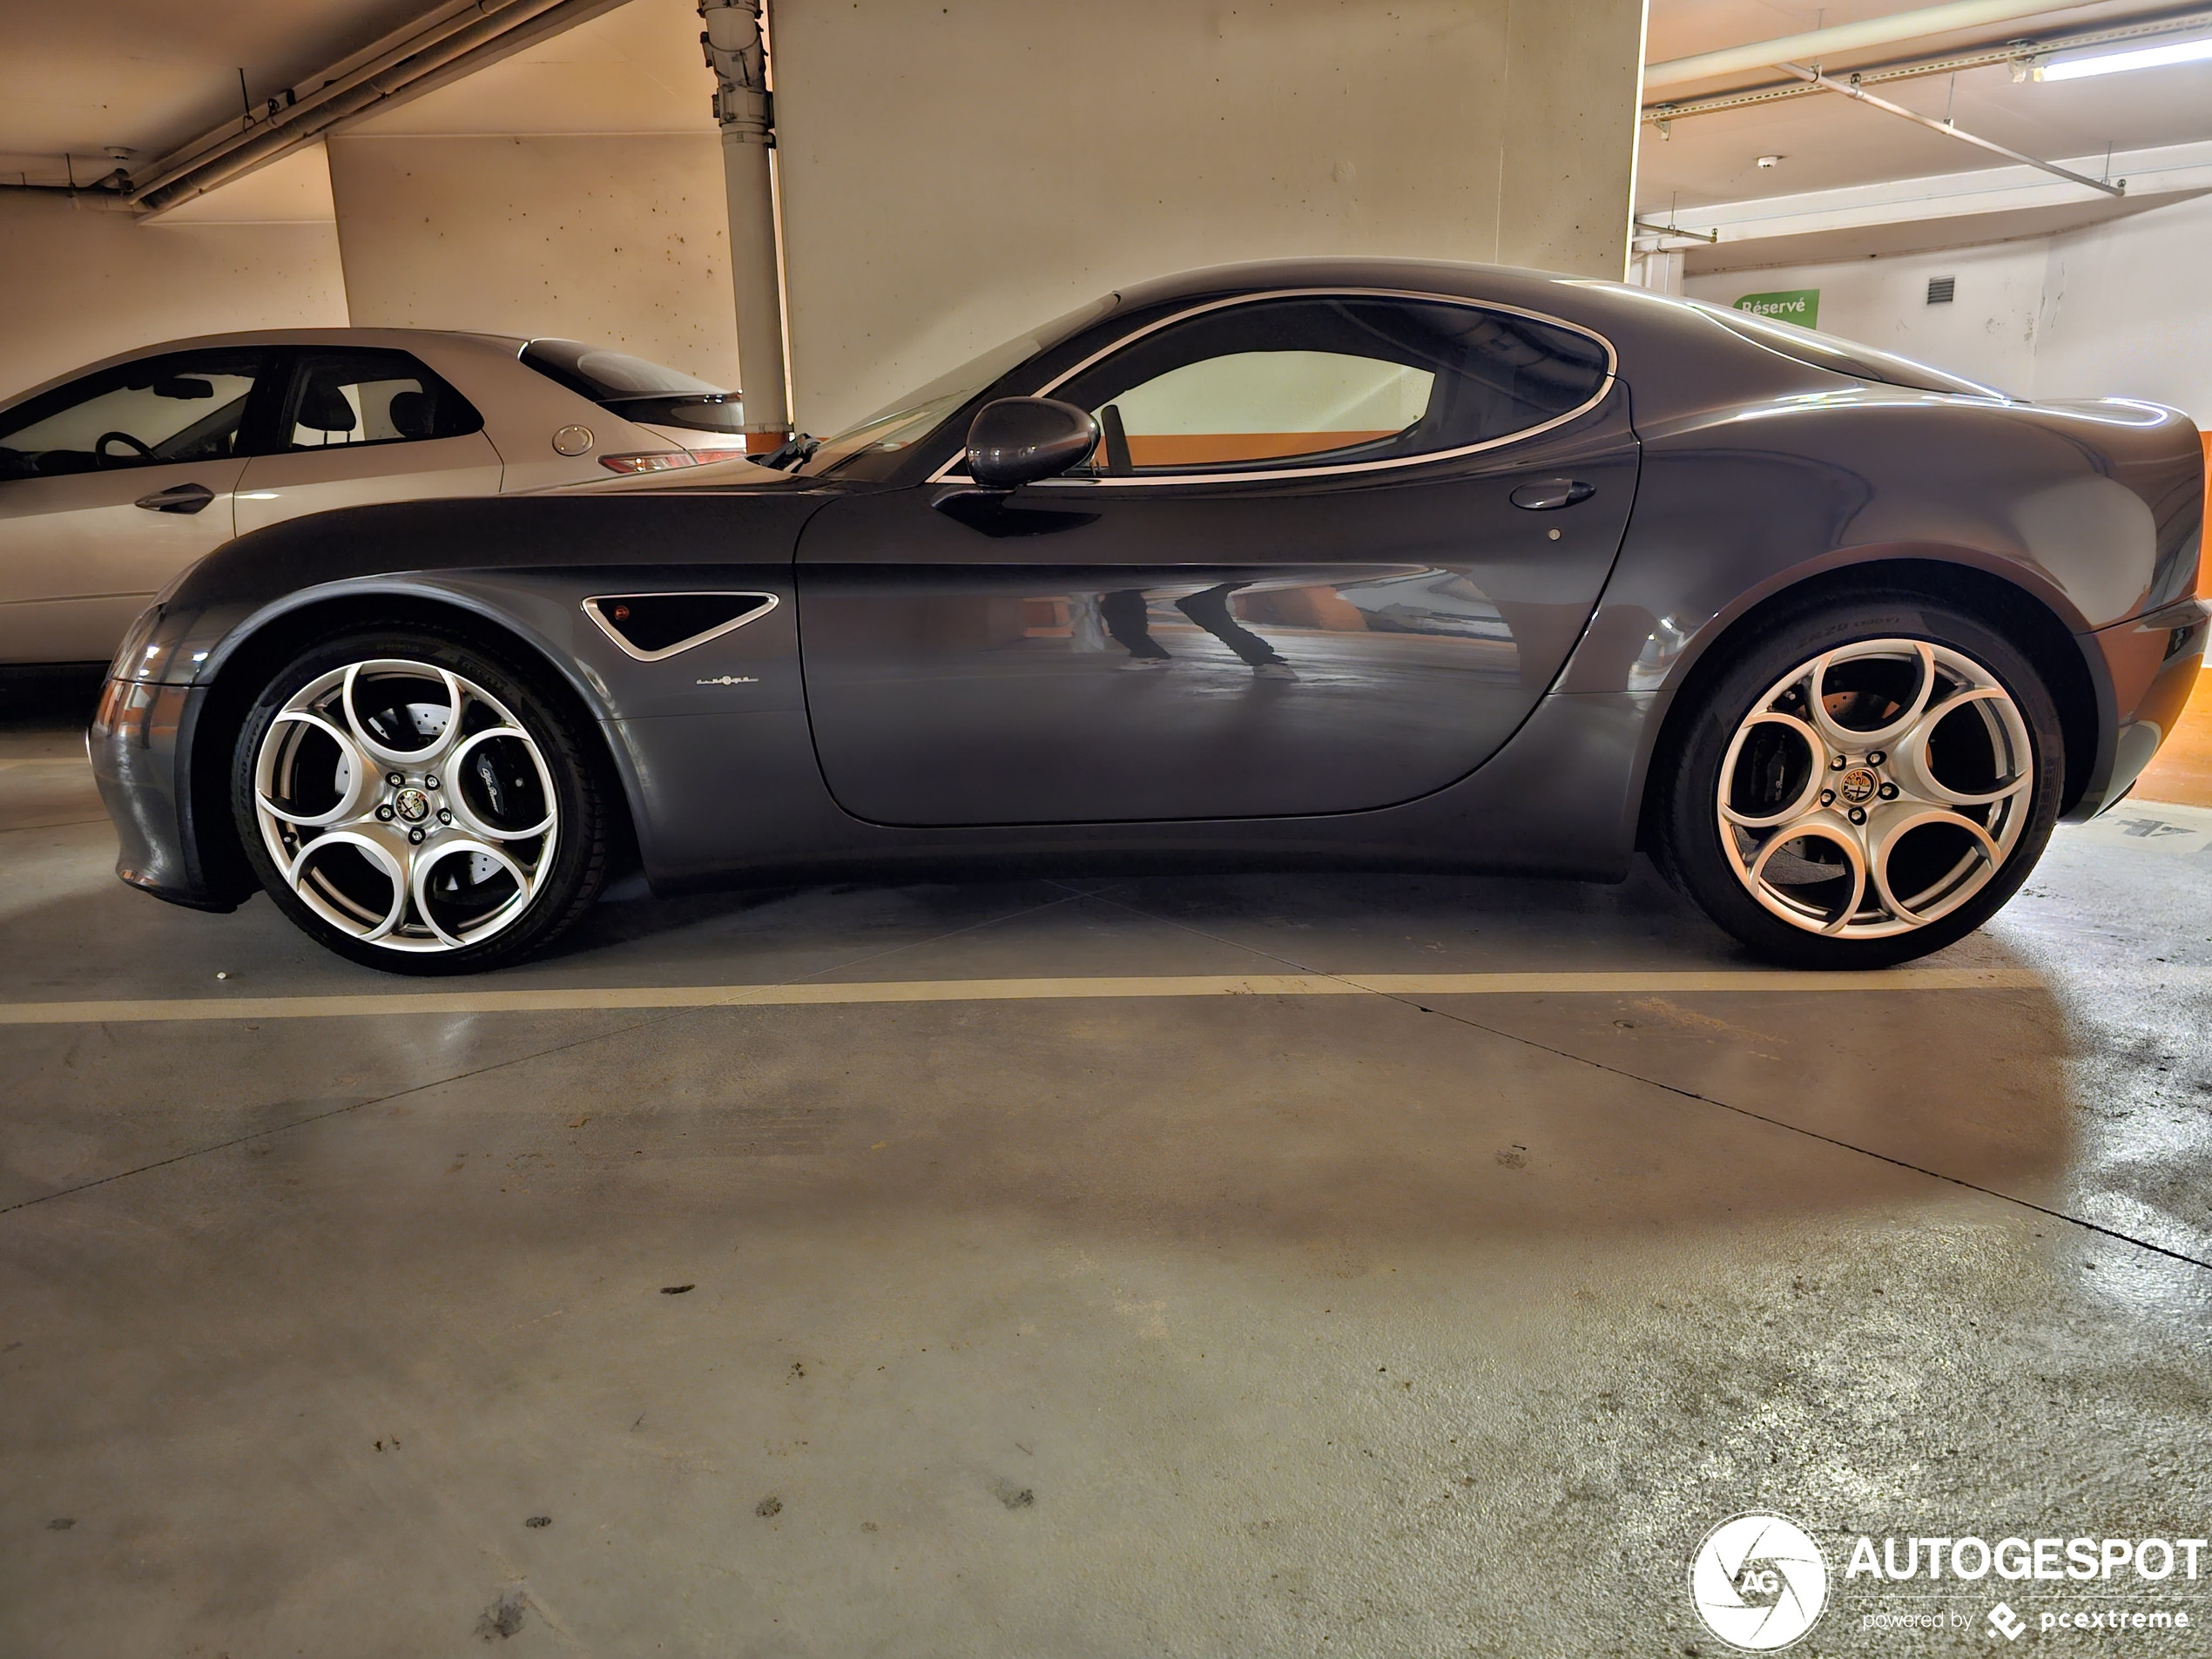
<point>737,52</point>
<point>1851,90</point>
<point>456,39</point>
<point>386,54</point>
<point>1843,38</point>
<point>287,133</point>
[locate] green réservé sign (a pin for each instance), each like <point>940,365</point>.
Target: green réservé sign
<point>1800,305</point>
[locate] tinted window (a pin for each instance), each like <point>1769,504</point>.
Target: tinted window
<point>1842,356</point>
<point>365,396</point>
<point>604,375</point>
<point>185,406</point>
<point>709,412</point>
<point>1329,381</point>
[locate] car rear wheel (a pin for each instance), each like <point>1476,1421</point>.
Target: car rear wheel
<point>1867,782</point>
<point>416,803</point>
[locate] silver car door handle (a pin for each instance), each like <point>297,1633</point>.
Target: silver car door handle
<point>1552,493</point>
<point>178,498</point>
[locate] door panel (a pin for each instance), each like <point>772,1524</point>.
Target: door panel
<point>365,424</point>
<point>973,659</point>
<point>78,560</point>
<point>312,481</point>
<point>79,557</point>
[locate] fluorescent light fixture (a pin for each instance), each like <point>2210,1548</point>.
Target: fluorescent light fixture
<point>2179,51</point>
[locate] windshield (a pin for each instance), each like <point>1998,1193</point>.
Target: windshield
<point>1844,356</point>
<point>913,417</point>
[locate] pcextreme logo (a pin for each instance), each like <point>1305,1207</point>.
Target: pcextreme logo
<point>1759,1581</point>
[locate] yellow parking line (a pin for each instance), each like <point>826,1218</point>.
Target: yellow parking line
<point>819,994</point>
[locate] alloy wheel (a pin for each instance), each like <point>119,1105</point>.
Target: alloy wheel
<point>1876,788</point>
<point>406,806</point>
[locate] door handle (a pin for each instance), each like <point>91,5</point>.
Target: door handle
<point>1552,493</point>
<point>178,498</point>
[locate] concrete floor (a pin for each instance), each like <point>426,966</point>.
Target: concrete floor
<point>1363,1323</point>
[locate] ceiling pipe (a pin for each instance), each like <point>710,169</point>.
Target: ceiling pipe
<point>1645,227</point>
<point>293,128</point>
<point>97,194</point>
<point>1851,91</point>
<point>456,39</point>
<point>736,50</point>
<point>1843,38</point>
<point>295,102</point>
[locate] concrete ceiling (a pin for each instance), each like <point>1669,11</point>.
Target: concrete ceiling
<point>638,69</point>
<point>1828,141</point>
<point>75,79</point>
<point>147,76</point>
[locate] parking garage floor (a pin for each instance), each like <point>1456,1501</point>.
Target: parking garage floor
<point>1255,1264</point>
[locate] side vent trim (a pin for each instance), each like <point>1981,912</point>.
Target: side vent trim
<point>653,627</point>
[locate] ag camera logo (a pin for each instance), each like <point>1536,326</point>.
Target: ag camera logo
<point>1759,1581</point>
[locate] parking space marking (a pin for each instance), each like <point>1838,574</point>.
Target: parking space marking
<point>589,999</point>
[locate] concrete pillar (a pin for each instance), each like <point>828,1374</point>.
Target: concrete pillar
<point>736,50</point>
<point>1659,270</point>
<point>951,173</point>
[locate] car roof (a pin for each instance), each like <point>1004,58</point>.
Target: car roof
<point>1574,298</point>
<point>400,338</point>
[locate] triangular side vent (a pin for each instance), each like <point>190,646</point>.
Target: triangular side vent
<point>651,626</point>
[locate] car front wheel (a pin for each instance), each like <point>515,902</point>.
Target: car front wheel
<point>416,804</point>
<point>1865,783</point>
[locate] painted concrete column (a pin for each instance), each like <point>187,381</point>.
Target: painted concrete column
<point>736,52</point>
<point>954,173</point>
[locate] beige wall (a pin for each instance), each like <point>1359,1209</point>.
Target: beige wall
<point>950,175</point>
<point>953,174</point>
<point>2117,309</point>
<point>620,240</point>
<point>81,283</point>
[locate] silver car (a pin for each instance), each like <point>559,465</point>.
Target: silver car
<point>114,478</point>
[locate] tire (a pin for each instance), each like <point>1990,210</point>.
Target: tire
<point>1891,819</point>
<point>491,843</point>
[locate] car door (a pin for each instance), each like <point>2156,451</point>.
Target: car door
<point>360,424</point>
<point>111,484</point>
<point>1329,553</point>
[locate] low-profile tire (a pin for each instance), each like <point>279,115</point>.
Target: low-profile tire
<point>418,803</point>
<point>1865,781</point>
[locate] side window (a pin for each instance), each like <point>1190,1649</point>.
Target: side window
<point>185,406</point>
<point>1329,380</point>
<point>370,396</point>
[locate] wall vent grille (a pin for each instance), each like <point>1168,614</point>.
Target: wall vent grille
<point>1942,290</point>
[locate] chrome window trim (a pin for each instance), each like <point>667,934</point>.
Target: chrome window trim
<point>953,472</point>
<point>590,607</point>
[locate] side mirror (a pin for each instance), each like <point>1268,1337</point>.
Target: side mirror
<point>1019,440</point>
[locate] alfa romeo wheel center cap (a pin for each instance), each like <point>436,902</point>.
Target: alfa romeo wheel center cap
<point>1857,786</point>
<point>412,806</point>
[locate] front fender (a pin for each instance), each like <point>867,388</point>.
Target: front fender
<point>516,571</point>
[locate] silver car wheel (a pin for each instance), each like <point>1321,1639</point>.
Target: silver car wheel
<point>1876,788</point>
<point>406,806</point>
